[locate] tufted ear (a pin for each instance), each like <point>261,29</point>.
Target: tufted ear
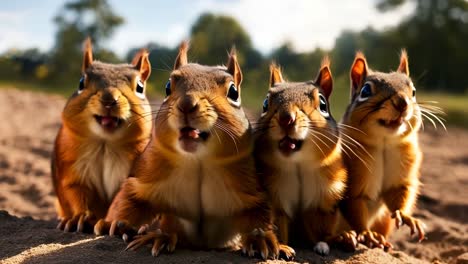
<point>324,78</point>
<point>87,55</point>
<point>182,56</point>
<point>233,67</point>
<point>142,64</point>
<point>358,72</point>
<point>403,67</point>
<point>275,74</point>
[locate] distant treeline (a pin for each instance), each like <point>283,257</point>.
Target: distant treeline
<point>435,36</point>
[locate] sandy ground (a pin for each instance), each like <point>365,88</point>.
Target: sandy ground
<point>27,226</point>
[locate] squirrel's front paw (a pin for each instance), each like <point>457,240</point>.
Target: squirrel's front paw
<point>346,240</point>
<point>413,223</point>
<point>158,238</point>
<point>373,239</point>
<point>82,222</point>
<point>263,243</point>
<point>115,228</point>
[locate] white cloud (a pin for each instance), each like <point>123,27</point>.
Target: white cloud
<point>307,24</point>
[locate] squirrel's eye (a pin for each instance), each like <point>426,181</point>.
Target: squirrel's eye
<point>233,93</point>
<point>414,92</point>
<point>323,106</point>
<point>81,85</point>
<point>366,92</point>
<point>265,105</point>
<point>168,88</point>
<point>140,89</point>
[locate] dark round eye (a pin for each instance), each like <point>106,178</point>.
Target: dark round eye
<point>81,85</point>
<point>140,89</point>
<point>265,105</point>
<point>414,92</point>
<point>168,88</point>
<point>366,91</point>
<point>323,106</point>
<point>233,93</point>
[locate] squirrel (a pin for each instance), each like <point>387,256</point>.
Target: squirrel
<point>197,174</point>
<point>299,157</point>
<point>106,123</point>
<point>386,118</point>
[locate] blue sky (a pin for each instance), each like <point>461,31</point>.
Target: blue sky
<point>307,24</point>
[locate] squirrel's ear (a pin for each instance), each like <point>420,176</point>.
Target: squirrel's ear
<point>233,67</point>
<point>87,55</point>
<point>275,74</point>
<point>403,67</point>
<point>358,72</point>
<point>182,56</point>
<point>142,64</point>
<point>324,78</point>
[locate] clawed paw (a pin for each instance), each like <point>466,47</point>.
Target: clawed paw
<point>286,252</point>
<point>413,223</point>
<point>158,238</point>
<point>115,228</point>
<point>374,240</point>
<point>347,240</point>
<point>82,222</point>
<point>262,243</point>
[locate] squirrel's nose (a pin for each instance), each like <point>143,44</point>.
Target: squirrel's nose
<point>108,100</point>
<point>286,120</point>
<point>188,105</point>
<point>400,103</point>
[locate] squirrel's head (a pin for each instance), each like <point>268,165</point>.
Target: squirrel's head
<point>296,116</point>
<point>382,103</point>
<point>110,102</point>
<point>202,112</point>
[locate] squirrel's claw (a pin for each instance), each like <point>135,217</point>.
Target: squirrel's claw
<point>413,223</point>
<point>263,243</point>
<point>286,252</point>
<point>159,239</point>
<point>374,240</point>
<point>347,240</point>
<point>78,222</point>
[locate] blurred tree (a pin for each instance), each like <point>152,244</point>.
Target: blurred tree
<point>76,21</point>
<point>213,36</point>
<point>436,36</point>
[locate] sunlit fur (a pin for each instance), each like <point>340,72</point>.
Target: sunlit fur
<point>211,195</point>
<point>306,185</point>
<point>89,163</point>
<point>388,179</point>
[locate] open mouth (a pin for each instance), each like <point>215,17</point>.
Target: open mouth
<point>391,124</point>
<point>190,137</point>
<point>109,123</point>
<point>289,145</point>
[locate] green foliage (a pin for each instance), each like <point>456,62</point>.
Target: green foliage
<point>76,21</point>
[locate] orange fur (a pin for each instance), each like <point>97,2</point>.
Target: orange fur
<point>306,182</point>
<point>209,193</point>
<point>386,125</point>
<point>90,161</point>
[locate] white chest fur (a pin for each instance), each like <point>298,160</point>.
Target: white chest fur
<point>385,171</point>
<point>300,186</point>
<point>103,167</point>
